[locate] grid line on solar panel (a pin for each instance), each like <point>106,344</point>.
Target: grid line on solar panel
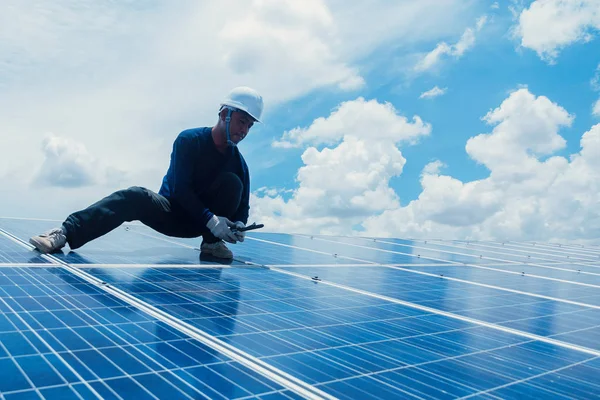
<point>508,250</point>
<point>366,265</point>
<point>349,265</point>
<point>510,247</point>
<point>253,306</point>
<point>475,253</point>
<point>432,251</point>
<point>286,245</point>
<point>12,265</point>
<point>421,382</point>
<point>590,297</point>
<point>209,303</point>
<point>159,276</point>
<point>499,370</point>
<point>528,271</point>
<point>217,266</point>
<point>517,278</point>
<point>506,253</point>
<point>538,376</point>
<point>345,241</point>
<point>84,341</point>
<point>22,346</point>
<point>565,274</point>
<point>546,318</point>
<point>468,282</point>
<point>388,330</point>
<point>437,311</point>
<point>594,249</point>
<point>575,268</point>
<point>275,374</point>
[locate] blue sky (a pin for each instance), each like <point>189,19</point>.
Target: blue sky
<point>476,83</point>
<point>92,99</point>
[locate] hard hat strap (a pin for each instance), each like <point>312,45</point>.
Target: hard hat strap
<point>227,122</point>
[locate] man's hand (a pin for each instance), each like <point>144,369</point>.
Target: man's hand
<point>219,226</point>
<point>239,235</point>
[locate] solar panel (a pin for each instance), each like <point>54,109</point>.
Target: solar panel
<point>135,314</point>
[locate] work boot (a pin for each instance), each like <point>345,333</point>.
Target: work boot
<point>50,241</point>
<point>217,249</point>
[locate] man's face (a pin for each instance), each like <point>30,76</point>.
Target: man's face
<point>239,126</point>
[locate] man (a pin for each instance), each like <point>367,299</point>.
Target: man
<point>205,191</point>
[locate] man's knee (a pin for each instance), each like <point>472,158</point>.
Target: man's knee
<point>231,183</point>
<point>133,203</point>
<point>227,186</point>
<point>225,194</point>
<point>135,194</point>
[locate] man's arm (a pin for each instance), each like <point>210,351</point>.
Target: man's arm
<point>183,167</point>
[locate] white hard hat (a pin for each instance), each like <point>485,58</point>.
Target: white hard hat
<point>245,99</point>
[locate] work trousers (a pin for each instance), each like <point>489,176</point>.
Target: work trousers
<point>153,210</point>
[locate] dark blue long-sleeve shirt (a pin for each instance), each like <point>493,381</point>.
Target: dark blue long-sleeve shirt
<point>195,163</point>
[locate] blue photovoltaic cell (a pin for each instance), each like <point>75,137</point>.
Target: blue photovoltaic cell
<point>411,252</point>
<point>108,343</point>
<point>62,337</point>
<point>565,383</point>
<point>523,279</point>
<point>478,254</point>
<point>588,276</point>
<point>356,254</point>
<point>530,314</point>
<point>385,252</point>
<point>337,343</point>
<point>552,252</point>
<point>498,251</point>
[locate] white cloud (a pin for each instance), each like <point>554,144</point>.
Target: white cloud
<point>272,191</point>
<point>530,193</point>
<point>595,82</point>
<point>526,125</point>
<point>570,21</point>
<point>68,164</point>
<point>433,58</point>
<point>354,82</point>
<point>457,50</point>
<point>481,21</point>
<point>495,5</point>
<point>362,26</point>
<point>433,168</point>
<point>342,185</point>
<point>524,198</point>
<point>123,78</point>
<point>432,93</point>
<point>596,109</point>
<point>359,118</point>
<point>296,37</point>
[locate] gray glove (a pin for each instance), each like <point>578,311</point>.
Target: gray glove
<point>239,235</point>
<point>219,226</point>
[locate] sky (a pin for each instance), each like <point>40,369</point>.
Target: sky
<point>441,119</point>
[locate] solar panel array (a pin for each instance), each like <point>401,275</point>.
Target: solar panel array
<point>135,314</point>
